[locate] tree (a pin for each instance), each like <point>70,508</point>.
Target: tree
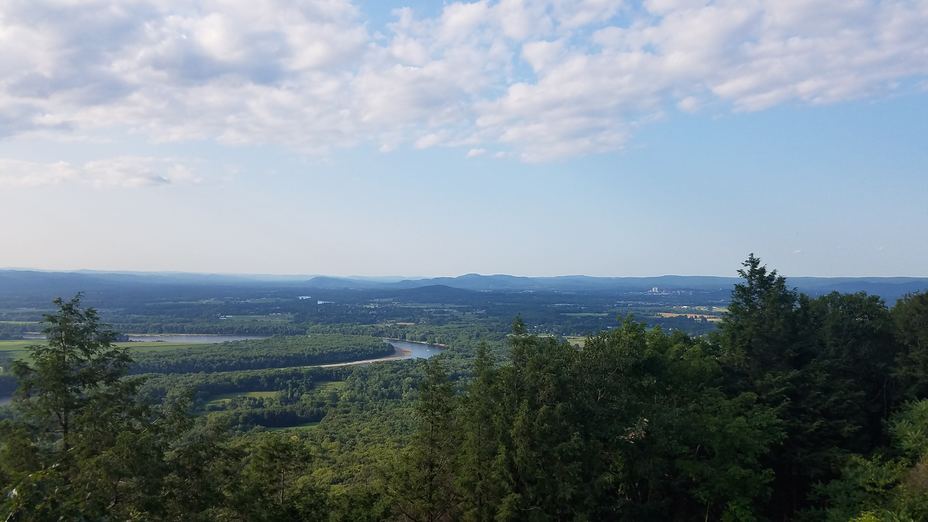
<point>426,471</point>
<point>75,370</point>
<point>275,482</point>
<point>767,341</point>
<point>911,319</point>
<point>518,326</point>
<point>539,458</point>
<point>476,475</point>
<point>762,332</point>
<point>659,428</point>
<point>79,432</point>
<point>82,444</point>
<point>891,485</point>
<point>854,361</point>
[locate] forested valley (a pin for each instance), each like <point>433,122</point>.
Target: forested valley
<point>790,407</point>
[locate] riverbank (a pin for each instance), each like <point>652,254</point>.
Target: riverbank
<point>398,355</point>
<point>424,343</point>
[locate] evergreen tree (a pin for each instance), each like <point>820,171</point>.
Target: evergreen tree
<point>854,363</point>
<point>84,445</point>
<point>275,483</point>
<point>911,320</point>
<point>76,370</point>
<point>426,472</point>
<point>477,478</point>
<point>768,341</point>
<point>540,457</point>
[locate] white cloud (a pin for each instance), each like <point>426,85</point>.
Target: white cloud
<point>542,54</point>
<point>540,79</point>
<point>126,172</point>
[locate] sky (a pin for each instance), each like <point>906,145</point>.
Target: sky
<point>546,137</point>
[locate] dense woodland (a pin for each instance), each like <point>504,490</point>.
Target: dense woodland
<point>794,408</point>
<point>275,352</point>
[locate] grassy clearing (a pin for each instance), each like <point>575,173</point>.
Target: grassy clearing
<point>154,346</point>
<point>710,318</point>
<point>278,318</point>
<point>18,349</point>
<point>16,346</point>
<point>225,398</point>
<point>576,340</point>
<point>20,344</point>
<point>333,386</point>
<point>308,425</point>
<point>252,394</point>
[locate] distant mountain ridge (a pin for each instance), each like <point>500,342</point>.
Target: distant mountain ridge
<point>505,281</point>
<point>890,288</point>
<point>17,281</point>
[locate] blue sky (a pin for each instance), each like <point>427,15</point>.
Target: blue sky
<point>537,138</point>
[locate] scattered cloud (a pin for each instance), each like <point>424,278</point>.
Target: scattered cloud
<point>541,79</point>
<point>126,172</point>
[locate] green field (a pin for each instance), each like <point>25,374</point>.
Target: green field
<point>334,386</point>
<point>225,398</point>
<point>15,346</point>
<point>308,425</point>
<point>18,348</point>
<point>154,346</point>
<point>278,318</point>
<point>576,340</point>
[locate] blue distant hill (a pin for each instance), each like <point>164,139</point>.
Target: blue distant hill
<point>30,282</point>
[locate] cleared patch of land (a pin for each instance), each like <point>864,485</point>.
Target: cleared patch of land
<point>332,386</point>
<point>15,346</point>
<point>710,318</point>
<point>19,348</point>
<point>576,340</point>
<point>225,398</point>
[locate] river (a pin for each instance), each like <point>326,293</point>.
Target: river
<point>415,350</point>
<point>402,350</point>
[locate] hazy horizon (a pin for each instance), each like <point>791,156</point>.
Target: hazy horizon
<point>393,277</point>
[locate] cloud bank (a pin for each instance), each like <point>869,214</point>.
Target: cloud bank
<point>538,80</point>
<point>125,172</point>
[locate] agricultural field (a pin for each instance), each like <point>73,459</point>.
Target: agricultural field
<point>696,316</point>
<point>18,348</point>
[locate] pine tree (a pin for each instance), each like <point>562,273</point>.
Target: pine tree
<point>85,446</point>
<point>477,478</point>
<point>911,319</point>
<point>426,471</point>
